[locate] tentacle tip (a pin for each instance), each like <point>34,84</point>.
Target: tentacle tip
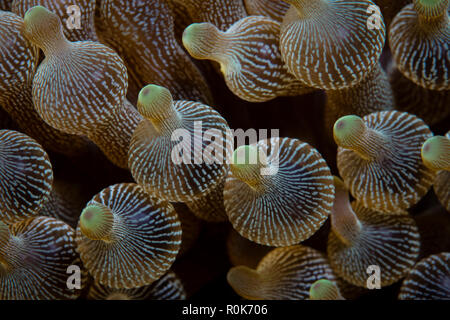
<point>347,126</point>
<point>95,220</point>
<point>198,39</point>
<point>436,152</point>
<point>36,13</point>
<point>151,96</point>
<point>324,289</point>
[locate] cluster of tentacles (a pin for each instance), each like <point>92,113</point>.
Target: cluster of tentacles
<point>132,158</point>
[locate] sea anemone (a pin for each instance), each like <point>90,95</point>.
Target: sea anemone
<point>327,44</point>
<point>249,58</point>
<point>177,169</point>
<point>279,192</point>
<point>35,254</point>
<point>91,83</point>
<point>26,176</point>
<point>429,280</point>
<point>283,274</point>
<point>379,159</point>
<point>419,40</point>
<point>436,156</point>
<point>127,239</point>
<point>362,237</point>
<point>173,149</point>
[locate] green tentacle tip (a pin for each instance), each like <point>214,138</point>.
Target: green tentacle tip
<point>347,127</point>
<point>36,13</point>
<point>190,33</point>
<point>324,289</point>
<point>96,221</point>
<point>199,40</point>
<point>153,99</point>
<point>436,153</point>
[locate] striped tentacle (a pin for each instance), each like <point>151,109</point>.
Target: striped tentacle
<point>283,274</point>
<point>35,260</point>
<point>379,159</point>
<point>429,280</point>
<point>80,87</point>
<point>287,204</point>
<point>86,31</point>
<point>115,137</point>
<point>362,237</point>
<point>170,154</point>
<point>429,105</point>
<point>372,94</point>
<point>152,55</point>
<point>248,55</point>
<point>26,176</point>
<point>419,39</point>
<point>327,44</point>
<point>126,238</point>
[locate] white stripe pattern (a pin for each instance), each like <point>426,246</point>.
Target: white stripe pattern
<point>146,238</point>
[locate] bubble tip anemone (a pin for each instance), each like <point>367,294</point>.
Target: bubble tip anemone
<point>202,42</point>
<point>96,221</point>
<point>44,29</point>
<point>153,101</point>
<point>324,289</point>
<point>436,153</point>
<point>191,32</point>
